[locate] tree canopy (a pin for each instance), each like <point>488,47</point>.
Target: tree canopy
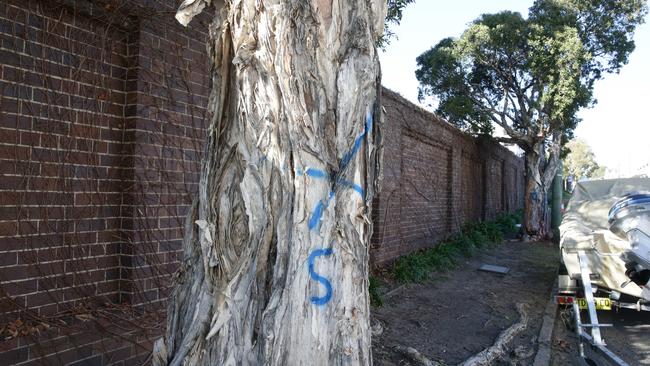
<point>580,162</point>
<point>529,76</point>
<point>393,17</point>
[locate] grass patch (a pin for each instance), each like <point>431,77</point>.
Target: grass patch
<point>373,291</point>
<point>417,267</point>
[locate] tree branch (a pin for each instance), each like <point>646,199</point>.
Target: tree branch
<point>507,140</point>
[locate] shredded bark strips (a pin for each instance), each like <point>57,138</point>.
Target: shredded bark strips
<point>318,210</point>
<point>275,268</point>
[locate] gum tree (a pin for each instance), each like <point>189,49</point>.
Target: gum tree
<point>275,267</point>
<point>580,161</point>
<point>530,76</point>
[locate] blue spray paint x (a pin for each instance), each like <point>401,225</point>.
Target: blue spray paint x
<point>317,212</point>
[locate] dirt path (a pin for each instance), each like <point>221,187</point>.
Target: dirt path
<point>462,312</point>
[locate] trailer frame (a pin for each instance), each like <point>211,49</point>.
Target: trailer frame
<point>596,348</point>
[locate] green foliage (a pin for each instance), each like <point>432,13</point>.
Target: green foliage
<point>580,161</point>
<point>467,243</point>
<point>393,17</point>
<point>418,267</point>
<point>507,224</point>
<point>373,291</point>
<point>605,28</point>
<point>413,268</point>
<point>529,75</point>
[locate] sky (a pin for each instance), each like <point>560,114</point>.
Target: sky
<point>617,127</point>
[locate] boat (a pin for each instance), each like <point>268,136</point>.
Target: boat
<point>605,257</point>
<point>608,220</point>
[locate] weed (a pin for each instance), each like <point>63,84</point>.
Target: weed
<point>466,243</point>
<point>508,222</point>
<point>412,268</point>
<point>373,291</point>
<point>417,267</point>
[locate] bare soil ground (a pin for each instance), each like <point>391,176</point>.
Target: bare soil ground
<point>463,311</point>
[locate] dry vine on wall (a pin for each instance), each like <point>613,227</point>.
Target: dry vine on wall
<point>101,127</point>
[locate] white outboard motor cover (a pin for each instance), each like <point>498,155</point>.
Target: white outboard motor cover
<point>629,218</point>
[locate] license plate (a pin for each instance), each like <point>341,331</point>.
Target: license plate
<point>602,303</point>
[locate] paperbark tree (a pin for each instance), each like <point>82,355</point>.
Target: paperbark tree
<point>275,267</point>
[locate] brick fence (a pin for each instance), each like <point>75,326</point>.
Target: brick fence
<point>435,179</point>
<point>102,106</point>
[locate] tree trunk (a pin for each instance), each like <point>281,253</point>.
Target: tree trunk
<point>275,268</point>
<point>535,206</point>
<point>539,175</point>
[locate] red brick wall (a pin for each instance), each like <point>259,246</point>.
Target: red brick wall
<point>435,179</point>
<point>425,189</point>
<point>471,188</point>
<point>61,158</point>
<point>170,87</point>
<point>101,123</point>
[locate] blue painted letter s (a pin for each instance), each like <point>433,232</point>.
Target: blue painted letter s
<point>316,277</point>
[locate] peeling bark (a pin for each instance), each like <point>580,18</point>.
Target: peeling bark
<point>535,207</point>
<point>275,268</point>
<point>540,171</point>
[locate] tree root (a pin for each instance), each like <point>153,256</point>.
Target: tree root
<point>416,356</point>
<point>489,355</point>
<point>393,292</point>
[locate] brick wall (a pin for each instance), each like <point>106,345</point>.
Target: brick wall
<point>101,122</point>
<point>435,179</point>
<point>169,88</point>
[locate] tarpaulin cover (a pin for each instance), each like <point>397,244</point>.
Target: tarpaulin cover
<point>585,227</point>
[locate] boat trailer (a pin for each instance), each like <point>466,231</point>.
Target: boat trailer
<point>591,345</point>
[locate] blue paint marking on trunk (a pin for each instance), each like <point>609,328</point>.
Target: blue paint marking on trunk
<point>320,300</point>
<point>315,216</point>
<point>357,144</point>
<point>357,188</point>
<point>317,213</point>
<point>316,173</point>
